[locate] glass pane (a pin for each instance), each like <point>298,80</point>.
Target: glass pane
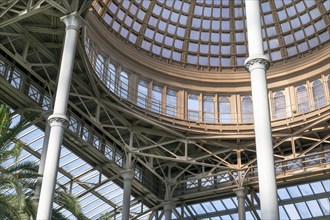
<point>325,205</point>
<point>314,208</point>
<point>193,108</point>
<point>171,101</point>
<point>247,109</point>
<point>292,211</point>
<point>302,99</point>
<point>224,110</point>
<point>208,109</point>
<point>156,102</point>
<point>318,94</point>
<point>142,98</point>
<point>279,105</point>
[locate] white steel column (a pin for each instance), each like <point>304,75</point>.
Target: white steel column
<point>42,163</point>
<point>257,64</point>
<point>58,119</point>
<point>241,193</point>
<point>128,176</point>
<point>168,210</point>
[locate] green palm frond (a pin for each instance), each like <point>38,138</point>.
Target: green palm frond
<point>9,146</point>
<point>18,181</point>
<point>7,207</point>
<point>70,203</point>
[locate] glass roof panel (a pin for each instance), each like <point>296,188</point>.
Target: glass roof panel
<point>326,183</point>
<point>294,191</point>
<point>189,23</point>
<point>317,187</point>
<point>292,211</point>
<point>208,207</point>
<point>283,194</point>
<point>314,208</point>
<point>325,205</point>
<point>303,210</point>
<point>77,176</point>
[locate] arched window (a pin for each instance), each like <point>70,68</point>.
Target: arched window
<point>193,108</point>
<point>156,101</point>
<point>123,85</point>
<point>111,77</point>
<point>224,110</point>
<point>99,66</point>
<point>142,96</point>
<point>279,105</point>
<point>302,99</point>
<point>171,103</point>
<point>208,109</point>
<point>247,109</point>
<point>318,94</point>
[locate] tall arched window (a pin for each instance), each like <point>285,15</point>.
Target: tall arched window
<point>318,94</point>
<point>208,109</point>
<point>99,66</point>
<point>247,109</point>
<point>111,77</point>
<point>142,95</point>
<point>123,85</point>
<point>224,110</point>
<point>193,108</point>
<point>279,105</point>
<point>156,101</point>
<point>302,99</point>
<point>171,103</point>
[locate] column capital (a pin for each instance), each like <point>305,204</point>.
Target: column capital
<point>127,174</point>
<point>73,21</point>
<point>168,205</point>
<point>257,61</point>
<point>240,192</point>
<point>60,119</point>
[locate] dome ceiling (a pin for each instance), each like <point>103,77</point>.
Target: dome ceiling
<point>212,33</point>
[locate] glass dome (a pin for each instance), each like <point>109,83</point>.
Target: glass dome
<point>213,33</point>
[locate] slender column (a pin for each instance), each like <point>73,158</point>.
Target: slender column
<point>128,176</point>
<point>42,163</point>
<point>168,210</point>
<point>257,64</point>
<point>58,119</point>
<point>241,193</point>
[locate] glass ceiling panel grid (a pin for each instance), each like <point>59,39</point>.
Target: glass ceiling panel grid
<point>295,202</point>
<point>77,173</point>
<point>213,33</point>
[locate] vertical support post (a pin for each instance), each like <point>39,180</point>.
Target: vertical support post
<point>241,193</point>
<point>128,176</point>
<point>168,206</point>
<point>42,163</point>
<point>58,120</point>
<point>257,64</point>
<point>168,210</point>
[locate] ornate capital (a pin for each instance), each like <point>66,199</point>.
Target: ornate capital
<point>59,119</point>
<point>73,21</point>
<point>261,60</point>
